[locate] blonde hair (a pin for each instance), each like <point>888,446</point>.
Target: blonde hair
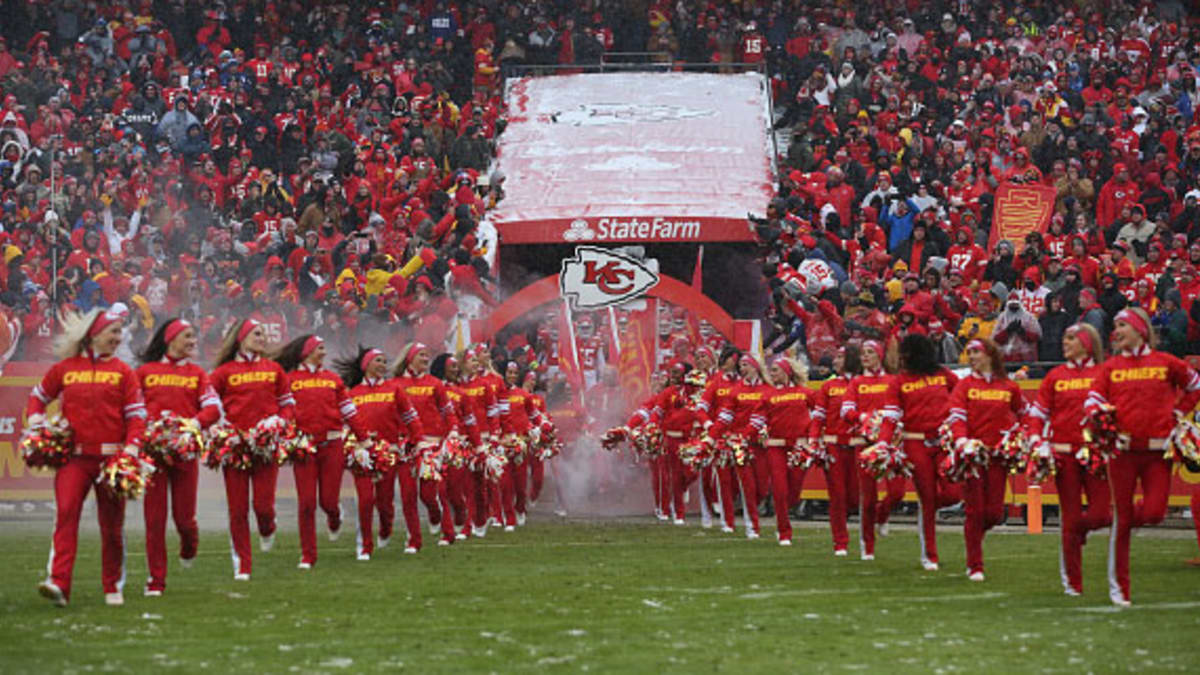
<point>229,344</point>
<point>798,366</point>
<point>74,337</point>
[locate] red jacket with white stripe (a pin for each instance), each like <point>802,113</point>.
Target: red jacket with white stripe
<point>481,401</point>
<point>1057,412</point>
<point>866,394</point>
<point>384,409</point>
<point>179,387</point>
<point>984,407</point>
<point>744,411</point>
<point>427,394</point>
<point>827,410</point>
<point>252,389</point>
<point>465,411</point>
<point>520,414</point>
<point>322,403</point>
<point>787,412</point>
<point>1146,388</point>
<point>101,401</point>
<point>922,400</point>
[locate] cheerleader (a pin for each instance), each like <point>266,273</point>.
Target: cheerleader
<point>384,412</point>
<point>1148,388</point>
<point>787,421</point>
<point>456,473</point>
<point>921,391</point>
<point>537,467</point>
<point>743,415</point>
<point>102,403</point>
<point>984,405</point>
<point>436,413</point>
<point>866,394</point>
<point>479,399</point>
<point>519,418</point>
<point>828,427</point>
<point>173,384</point>
<point>660,490</point>
<point>716,393</point>
<point>1057,415</point>
<point>674,412</point>
<point>252,389</point>
<point>323,406</point>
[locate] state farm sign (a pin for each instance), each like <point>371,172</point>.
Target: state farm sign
<point>625,229</point>
<point>597,278</point>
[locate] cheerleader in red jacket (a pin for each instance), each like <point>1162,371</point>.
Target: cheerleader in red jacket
<point>787,421</point>
<point>479,399</point>
<point>715,397</point>
<point>921,390</point>
<point>744,414</point>
<point>518,416</point>
<point>1147,387</point>
<point>673,412</point>
<point>383,410</point>
<point>984,405</point>
<point>1057,415</point>
<point>323,406</point>
<point>866,394</point>
<point>659,487</point>
<point>537,467</point>
<point>252,388</point>
<point>102,403</point>
<point>172,383</point>
<point>435,410</point>
<point>829,427</point>
<point>456,474</point>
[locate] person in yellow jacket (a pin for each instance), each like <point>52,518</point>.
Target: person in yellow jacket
<point>981,322</point>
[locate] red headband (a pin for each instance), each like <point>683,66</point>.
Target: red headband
<point>1083,336</point>
<point>368,358</point>
<point>310,345</point>
<point>102,321</point>
<point>174,329</point>
<point>1134,319</point>
<point>413,348</point>
<point>705,349</point>
<point>248,326</point>
<point>786,366</point>
<point>874,346</point>
<point>977,344</point>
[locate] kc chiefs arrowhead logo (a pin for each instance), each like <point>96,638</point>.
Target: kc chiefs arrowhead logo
<point>1022,209</point>
<point>597,278</point>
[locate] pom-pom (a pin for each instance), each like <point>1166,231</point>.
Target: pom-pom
<point>514,448</point>
<point>696,454</point>
<point>968,461</point>
<point>124,476</point>
<point>171,440</point>
<point>1102,440</point>
<point>612,439</point>
<point>455,450</point>
<point>372,458</point>
<point>277,440</point>
<point>1040,467</point>
<point>872,427</point>
<point>48,445</point>
<point>647,439</point>
<point>884,461</point>
<point>1183,445</point>
<point>494,462</point>
<point>429,461</point>
<point>808,454</point>
<point>225,446</point>
<point>1013,450</point>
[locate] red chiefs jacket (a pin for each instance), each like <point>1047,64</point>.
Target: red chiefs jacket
<point>1057,413</point>
<point>322,403</point>
<point>427,394</point>
<point>384,409</point>
<point>179,387</point>
<point>1146,388</point>
<point>984,407</point>
<point>251,389</point>
<point>101,401</point>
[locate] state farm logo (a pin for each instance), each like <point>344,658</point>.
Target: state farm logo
<point>579,230</point>
<point>597,278</point>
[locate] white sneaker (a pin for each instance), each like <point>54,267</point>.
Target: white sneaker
<point>662,516</point>
<point>461,536</point>
<point>304,566</point>
<point>520,519</point>
<point>1071,592</point>
<point>975,576</point>
<point>114,599</point>
<point>383,542</point>
<point>1122,603</point>
<point>241,577</point>
<point>265,544</point>
<point>51,591</point>
<point>785,542</point>
<point>867,557</point>
<point>679,521</point>
<point>364,557</point>
<point>561,513</point>
<point>840,553</point>
<point>410,549</point>
<point>751,534</point>
<point>152,594</point>
<point>930,566</point>
<point>727,529</point>
<point>479,532</point>
<point>509,528</point>
<point>334,534</point>
<point>186,563</point>
<point>706,523</point>
<point>884,530</point>
<point>532,503</point>
<point>443,542</point>
<point>434,528</point>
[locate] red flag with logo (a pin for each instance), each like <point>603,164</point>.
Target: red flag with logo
<point>636,361</point>
<point>1020,209</point>
<point>568,356</point>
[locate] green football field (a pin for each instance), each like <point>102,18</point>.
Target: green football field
<point>608,596</point>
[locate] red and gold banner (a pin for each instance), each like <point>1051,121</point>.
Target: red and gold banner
<point>1018,210</point>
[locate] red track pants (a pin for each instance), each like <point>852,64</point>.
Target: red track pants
<point>870,507</point>
<point>537,477</point>
<point>456,478</point>
<point>319,475</point>
<point>180,481</point>
<point>364,535</point>
<point>933,493</point>
<point>71,485</point>
<point>385,502</point>
<point>841,477</point>
<point>1073,481</point>
<point>785,486</point>
<point>1124,472</point>
<point>984,497</point>
<point>237,496</point>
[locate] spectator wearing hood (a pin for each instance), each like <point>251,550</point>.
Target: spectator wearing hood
<point>1116,193</point>
<point>1053,323</point>
<point>175,124</point>
<point>918,248</point>
<point>1171,323</point>
<point>1017,331</point>
<point>897,219</point>
<point>1000,267</point>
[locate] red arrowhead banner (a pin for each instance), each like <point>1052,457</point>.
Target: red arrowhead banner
<point>1018,210</point>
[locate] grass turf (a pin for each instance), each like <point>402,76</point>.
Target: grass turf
<point>607,597</point>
